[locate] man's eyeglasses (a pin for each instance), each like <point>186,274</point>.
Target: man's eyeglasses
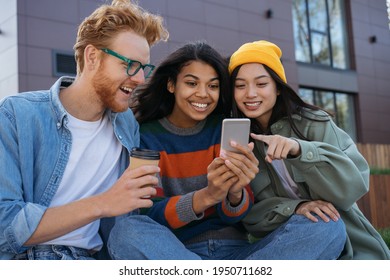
<point>133,66</point>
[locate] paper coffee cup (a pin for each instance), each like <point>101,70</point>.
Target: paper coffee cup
<point>139,157</point>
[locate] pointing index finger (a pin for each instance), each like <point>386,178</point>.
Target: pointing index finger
<point>261,137</point>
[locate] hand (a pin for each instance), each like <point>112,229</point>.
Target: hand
<point>130,191</point>
<point>219,180</point>
<point>244,165</point>
<point>322,208</point>
<point>279,147</point>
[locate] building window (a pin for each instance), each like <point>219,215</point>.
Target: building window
<point>64,64</point>
<point>320,32</point>
<point>341,105</point>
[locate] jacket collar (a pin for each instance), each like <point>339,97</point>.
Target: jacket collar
<point>58,108</point>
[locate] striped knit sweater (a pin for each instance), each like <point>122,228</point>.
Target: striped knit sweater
<point>185,154</point>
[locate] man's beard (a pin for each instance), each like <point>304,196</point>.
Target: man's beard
<point>106,92</point>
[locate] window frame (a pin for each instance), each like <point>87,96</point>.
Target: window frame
<point>55,63</point>
<point>351,100</point>
<point>344,40</point>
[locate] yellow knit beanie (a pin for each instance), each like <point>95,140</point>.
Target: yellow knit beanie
<point>263,52</point>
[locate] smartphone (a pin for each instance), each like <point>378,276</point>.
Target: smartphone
<point>234,130</point>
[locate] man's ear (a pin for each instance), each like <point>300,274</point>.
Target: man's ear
<point>171,86</point>
<point>91,57</point>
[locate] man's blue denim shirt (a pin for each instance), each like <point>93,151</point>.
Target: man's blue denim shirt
<point>34,149</point>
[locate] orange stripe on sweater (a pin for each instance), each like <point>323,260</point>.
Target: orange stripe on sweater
<point>171,213</point>
<point>243,209</point>
<point>186,165</point>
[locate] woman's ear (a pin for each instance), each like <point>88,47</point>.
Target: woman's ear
<point>278,90</point>
<point>170,86</point>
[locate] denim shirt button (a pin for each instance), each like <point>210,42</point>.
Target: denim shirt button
<point>120,137</point>
<point>287,210</point>
<point>58,125</point>
<point>309,155</point>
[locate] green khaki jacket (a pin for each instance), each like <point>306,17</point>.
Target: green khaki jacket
<point>329,168</point>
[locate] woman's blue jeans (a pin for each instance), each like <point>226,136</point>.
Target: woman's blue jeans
<point>139,237</point>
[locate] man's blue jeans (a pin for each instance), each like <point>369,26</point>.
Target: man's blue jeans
<point>54,252</point>
<point>139,237</point>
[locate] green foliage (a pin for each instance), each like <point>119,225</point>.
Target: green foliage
<point>379,171</point>
<point>385,233</point>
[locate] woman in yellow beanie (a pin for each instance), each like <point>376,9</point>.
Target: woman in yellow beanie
<point>311,172</point>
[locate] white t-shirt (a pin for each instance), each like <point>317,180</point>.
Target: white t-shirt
<point>93,168</point>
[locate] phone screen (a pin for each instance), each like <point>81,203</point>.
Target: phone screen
<point>234,130</point>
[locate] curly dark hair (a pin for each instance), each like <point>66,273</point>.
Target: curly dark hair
<point>153,101</point>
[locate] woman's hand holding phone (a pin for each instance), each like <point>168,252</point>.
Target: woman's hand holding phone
<point>238,155</point>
